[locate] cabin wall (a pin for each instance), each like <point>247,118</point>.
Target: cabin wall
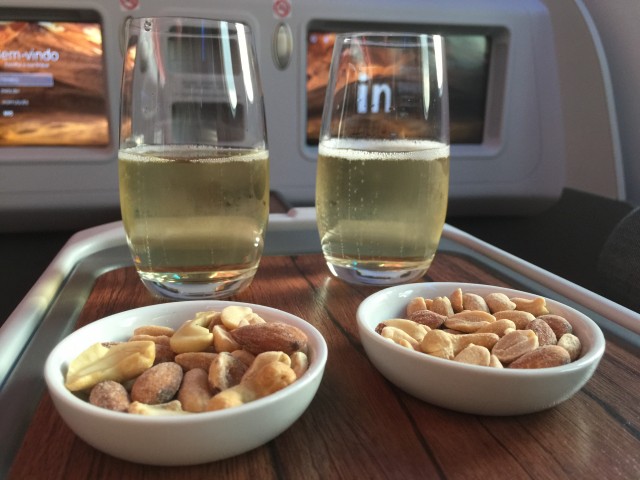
<point>592,141</point>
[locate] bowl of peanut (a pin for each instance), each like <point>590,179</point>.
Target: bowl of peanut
<point>479,349</point>
<point>188,382</point>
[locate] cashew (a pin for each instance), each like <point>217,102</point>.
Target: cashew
<point>120,362</point>
<point>192,336</point>
<point>170,408</point>
<point>263,359</point>
<point>225,371</point>
<point>269,379</point>
<point>194,393</point>
<point>235,316</point>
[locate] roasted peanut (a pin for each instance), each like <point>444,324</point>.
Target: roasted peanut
<point>456,300</point>
<point>415,330</point>
<point>494,362</point>
<point>571,344</point>
<point>442,305</point>
<point>474,355</point>
<point>445,345</point>
<point>519,318</point>
<point>542,357</point>
<point>498,302</point>
<point>493,330</point>
<point>400,337</point>
<point>515,344</point>
<point>414,305</point>
<point>536,306</point>
<point>499,327</point>
<point>190,360</point>
<point>545,335</point>
<point>558,324</point>
<point>472,301</point>
<point>469,321</point>
<point>427,318</point>
<point>164,354</point>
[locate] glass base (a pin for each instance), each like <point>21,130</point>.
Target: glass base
<point>164,286</point>
<point>359,275</point>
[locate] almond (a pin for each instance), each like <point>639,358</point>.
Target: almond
<point>264,337</point>
<point>159,384</point>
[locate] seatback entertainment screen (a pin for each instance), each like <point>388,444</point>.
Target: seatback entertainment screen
<point>52,84</point>
<point>467,71</point>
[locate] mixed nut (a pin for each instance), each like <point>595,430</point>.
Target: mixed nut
<point>492,330</point>
<point>214,361</point>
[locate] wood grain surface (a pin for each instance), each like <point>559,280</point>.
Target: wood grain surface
<point>359,426</point>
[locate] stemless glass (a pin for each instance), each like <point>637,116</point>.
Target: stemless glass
<point>383,165</point>
<point>193,159</point>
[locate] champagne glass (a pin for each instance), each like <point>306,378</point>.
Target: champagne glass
<point>383,158</point>
<point>193,159</point>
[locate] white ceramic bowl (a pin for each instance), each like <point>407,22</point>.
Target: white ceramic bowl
<point>183,439</point>
<point>471,388</point>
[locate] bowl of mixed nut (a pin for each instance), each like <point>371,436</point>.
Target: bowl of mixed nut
<point>188,382</point>
<point>477,348</point>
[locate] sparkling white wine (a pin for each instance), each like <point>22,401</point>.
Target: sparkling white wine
<point>194,216</point>
<point>381,205</point>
